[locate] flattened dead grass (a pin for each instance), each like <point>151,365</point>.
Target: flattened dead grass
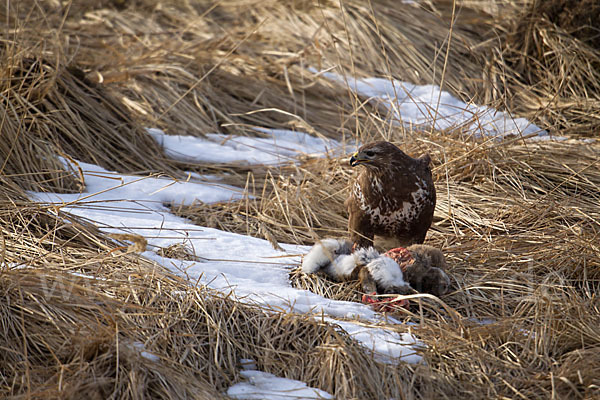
<point>90,320</point>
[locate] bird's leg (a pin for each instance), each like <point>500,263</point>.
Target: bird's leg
<point>361,244</point>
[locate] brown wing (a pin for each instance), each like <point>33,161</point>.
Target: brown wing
<point>359,221</point>
<point>393,198</point>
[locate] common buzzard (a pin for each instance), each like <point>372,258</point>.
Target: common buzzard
<point>393,196</point>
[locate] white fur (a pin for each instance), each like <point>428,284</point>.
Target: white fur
<point>386,272</point>
<point>334,258</point>
<point>341,267</point>
<point>365,255</point>
<point>324,253</point>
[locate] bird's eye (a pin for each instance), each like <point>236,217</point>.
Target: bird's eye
<point>369,153</point>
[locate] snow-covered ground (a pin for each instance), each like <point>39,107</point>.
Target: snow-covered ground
<point>277,146</point>
<point>249,267</point>
<point>427,105</point>
<point>264,386</point>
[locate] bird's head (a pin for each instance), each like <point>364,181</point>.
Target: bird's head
<point>374,154</point>
<point>381,155</point>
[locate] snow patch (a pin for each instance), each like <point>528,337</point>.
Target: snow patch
<point>262,385</point>
<point>125,194</point>
<point>276,147</point>
<point>140,348</point>
<point>427,105</point>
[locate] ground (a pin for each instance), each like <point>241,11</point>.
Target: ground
<point>166,164</point>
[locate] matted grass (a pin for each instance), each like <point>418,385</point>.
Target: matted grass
<point>74,322</point>
<point>517,220</point>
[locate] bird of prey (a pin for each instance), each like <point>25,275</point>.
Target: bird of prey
<point>393,196</point>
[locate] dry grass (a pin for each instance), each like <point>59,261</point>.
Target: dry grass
<point>72,319</point>
<point>518,220</point>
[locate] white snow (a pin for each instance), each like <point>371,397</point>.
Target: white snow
<point>128,193</point>
<point>384,343</point>
<point>248,266</point>
<point>262,385</point>
<point>248,364</point>
<point>277,146</point>
<point>427,105</point>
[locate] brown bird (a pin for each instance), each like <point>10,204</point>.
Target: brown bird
<point>393,196</point>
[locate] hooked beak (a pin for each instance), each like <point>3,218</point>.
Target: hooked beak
<point>354,160</point>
